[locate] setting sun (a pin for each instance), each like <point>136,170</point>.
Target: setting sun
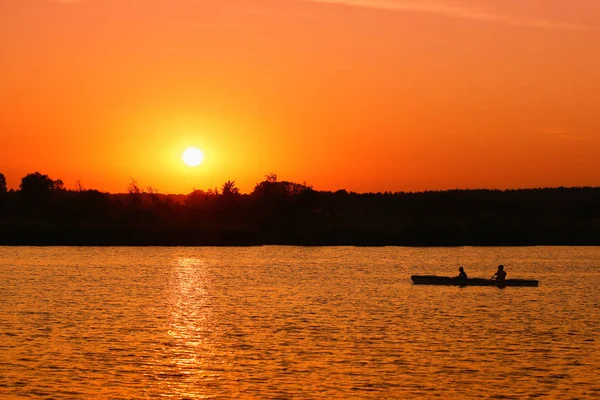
<point>192,157</point>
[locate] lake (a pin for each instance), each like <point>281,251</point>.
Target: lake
<point>296,322</point>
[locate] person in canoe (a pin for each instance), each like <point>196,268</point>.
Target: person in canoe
<point>462,274</point>
<point>500,275</point>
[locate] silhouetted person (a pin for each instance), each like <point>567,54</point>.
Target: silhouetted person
<point>500,275</point>
<point>462,274</point>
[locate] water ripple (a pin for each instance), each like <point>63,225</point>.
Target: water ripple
<point>294,322</point>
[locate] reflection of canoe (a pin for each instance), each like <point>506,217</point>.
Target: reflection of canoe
<point>445,280</point>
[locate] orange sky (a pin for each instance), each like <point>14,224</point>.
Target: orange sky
<point>366,95</point>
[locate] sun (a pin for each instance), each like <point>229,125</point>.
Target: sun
<point>192,156</point>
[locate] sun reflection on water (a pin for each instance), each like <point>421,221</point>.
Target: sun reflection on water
<point>190,323</point>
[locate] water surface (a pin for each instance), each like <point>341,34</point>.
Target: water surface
<point>296,322</point>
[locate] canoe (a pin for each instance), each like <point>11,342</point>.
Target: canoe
<point>446,280</point>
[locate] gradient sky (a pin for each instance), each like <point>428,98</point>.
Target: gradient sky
<point>366,95</point>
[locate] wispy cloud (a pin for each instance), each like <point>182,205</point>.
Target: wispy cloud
<point>443,8</point>
<point>565,134</point>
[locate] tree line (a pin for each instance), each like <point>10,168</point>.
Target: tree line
<point>43,212</point>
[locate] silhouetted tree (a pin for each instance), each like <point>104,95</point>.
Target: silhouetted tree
<point>228,189</point>
<point>133,187</point>
<point>272,189</point>
<point>154,196</point>
<point>135,192</point>
<point>2,193</point>
<point>85,206</point>
<point>37,184</point>
<point>271,178</point>
<point>200,198</point>
<point>282,212</point>
<point>2,183</point>
<point>79,186</point>
<point>39,194</point>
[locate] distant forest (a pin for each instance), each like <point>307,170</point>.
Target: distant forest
<point>43,212</point>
